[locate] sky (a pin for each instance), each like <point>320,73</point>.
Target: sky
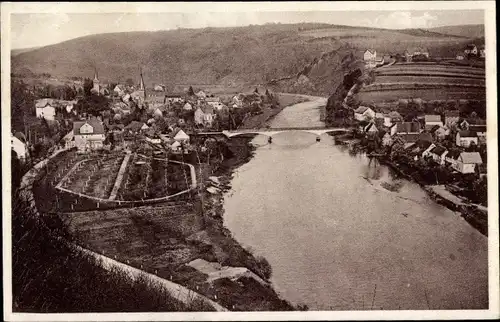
<point>41,29</point>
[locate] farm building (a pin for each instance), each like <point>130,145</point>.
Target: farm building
<point>180,135</point>
<point>88,135</point>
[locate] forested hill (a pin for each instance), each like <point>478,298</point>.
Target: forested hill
<point>238,55</point>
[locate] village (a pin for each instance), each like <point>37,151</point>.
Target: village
<point>439,142</point>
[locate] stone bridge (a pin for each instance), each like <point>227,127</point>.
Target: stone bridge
<point>270,132</point>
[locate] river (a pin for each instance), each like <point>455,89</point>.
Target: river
<point>337,240</point>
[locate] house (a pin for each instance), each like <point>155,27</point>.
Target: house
<point>157,113</point>
<point>417,51</point>
<point>152,136</point>
<point>176,146</point>
<point>18,145</point>
<point>431,120</point>
<point>370,54</point>
<point>204,116</point>
<point>387,139</point>
<point>467,162</point>
<point>180,136</point>
<point>439,132</point>
<point>237,101</point>
<point>470,49</point>
<point>215,102</point>
<point>88,135</point>
<point>421,148</point>
<point>482,52</point>
<point>452,157</point>
<point>370,129</point>
<point>460,56</point>
<point>438,154</point>
<point>451,117</point>
<point>46,108</point>
<point>466,138</point>
<point>480,129</point>
<point>201,94</point>
<point>412,138</point>
<point>364,113</point>
<point>69,140</point>
<point>136,127</point>
<point>119,90</point>
<point>187,107</point>
<point>394,117</point>
<point>407,127</point>
<point>174,98</point>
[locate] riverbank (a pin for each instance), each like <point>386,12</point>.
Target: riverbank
<point>476,216</point>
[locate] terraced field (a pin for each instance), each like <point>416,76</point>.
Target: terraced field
<point>428,81</point>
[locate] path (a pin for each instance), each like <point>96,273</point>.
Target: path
<point>119,177</point>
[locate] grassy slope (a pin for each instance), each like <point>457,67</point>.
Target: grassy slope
<point>214,55</point>
<point>469,31</point>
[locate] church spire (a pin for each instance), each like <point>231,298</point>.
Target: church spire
<point>142,87</point>
<point>96,78</point>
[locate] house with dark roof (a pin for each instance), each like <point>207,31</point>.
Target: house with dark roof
<point>452,157</point>
<point>89,135</point>
<point>466,138</point>
<point>407,127</point>
<point>438,154</point>
<point>136,127</point>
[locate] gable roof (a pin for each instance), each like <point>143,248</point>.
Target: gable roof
<point>179,134</point>
<point>477,128</point>
<point>432,118</point>
<point>454,113</point>
<point>467,134</point>
<point>394,115</point>
<point>425,136</point>
<point>471,157</point>
<point>134,126</point>
<point>439,150</point>
<point>41,103</point>
<point>407,127</point>
<point>453,154</point>
<point>434,128</point>
<point>361,109</point>
<point>96,125</point>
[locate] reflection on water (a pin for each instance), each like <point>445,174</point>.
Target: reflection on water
<point>337,239</point>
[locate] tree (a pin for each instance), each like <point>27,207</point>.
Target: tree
<point>87,86</point>
<point>191,91</point>
<point>256,90</point>
<point>129,82</point>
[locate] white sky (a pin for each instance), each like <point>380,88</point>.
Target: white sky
<point>40,29</point>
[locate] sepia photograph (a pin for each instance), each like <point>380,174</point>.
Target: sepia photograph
<point>262,161</point>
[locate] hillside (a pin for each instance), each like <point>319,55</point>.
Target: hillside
<point>468,31</point>
<point>239,55</point>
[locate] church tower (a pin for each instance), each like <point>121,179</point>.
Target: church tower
<point>97,87</point>
<point>142,87</point>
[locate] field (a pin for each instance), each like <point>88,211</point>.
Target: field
<point>148,178</point>
<point>95,177</point>
<point>427,81</point>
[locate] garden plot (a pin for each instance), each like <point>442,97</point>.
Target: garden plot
<point>94,178</point>
<point>151,178</point>
<point>429,79</point>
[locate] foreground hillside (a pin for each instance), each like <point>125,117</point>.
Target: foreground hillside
<point>240,55</point>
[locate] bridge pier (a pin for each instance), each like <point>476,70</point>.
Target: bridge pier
<point>270,140</point>
<point>318,139</point>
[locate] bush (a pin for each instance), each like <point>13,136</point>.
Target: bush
<point>264,267</point>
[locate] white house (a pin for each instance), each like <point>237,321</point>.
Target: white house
<point>466,138</point>
<point>431,120</point>
<point>467,162</point>
<point>19,146</point>
<point>370,54</point>
<point>460,56</point>
<point>45,108</point>
<point>89,135</point>
<point>181,136</point>
<point>204,116</point>
<point>187,107</point>
<point>157,113</point>
<point>364,113</point>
